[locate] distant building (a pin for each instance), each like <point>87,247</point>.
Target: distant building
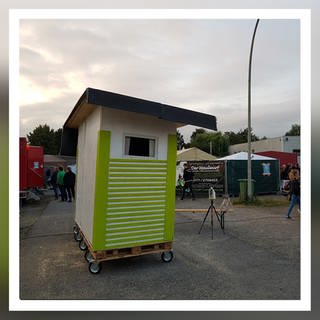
<point>282,144</point>
<point>51,160</point>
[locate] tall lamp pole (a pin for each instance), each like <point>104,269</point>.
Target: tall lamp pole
<point>249,188</point>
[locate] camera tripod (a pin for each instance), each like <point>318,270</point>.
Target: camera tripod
<point>224,207</point>
<point>210,209</point>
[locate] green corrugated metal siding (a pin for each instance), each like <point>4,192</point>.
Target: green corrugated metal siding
<point>134,198</point>
<point>171,187</point>
<point>136,202</point>
<point>100,196</point>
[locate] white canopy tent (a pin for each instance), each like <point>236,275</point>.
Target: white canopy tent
<point>244,156</point>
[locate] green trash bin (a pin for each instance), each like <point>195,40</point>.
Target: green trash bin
<point>243,183</point>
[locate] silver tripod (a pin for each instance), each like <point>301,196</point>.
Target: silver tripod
<point>210,209</point>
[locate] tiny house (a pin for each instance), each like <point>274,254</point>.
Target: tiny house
<point>126,171</point>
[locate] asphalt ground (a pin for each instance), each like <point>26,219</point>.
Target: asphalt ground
<point>257,258</point>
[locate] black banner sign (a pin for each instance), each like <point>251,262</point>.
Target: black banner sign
<point>208,174</point>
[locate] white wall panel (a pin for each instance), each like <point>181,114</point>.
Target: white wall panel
<point>121,122</point>
<point>86,172</point>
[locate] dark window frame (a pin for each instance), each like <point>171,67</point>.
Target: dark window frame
<point>138,146</point>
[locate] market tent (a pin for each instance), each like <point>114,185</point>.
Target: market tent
<point>194,154</point>
<point>265,172</point>
<point>244,156</point>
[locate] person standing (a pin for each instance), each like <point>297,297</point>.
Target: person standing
<point>54,182</point>
<point>188,179</point>
<point>294,190</point>
<point>69,180</point>
<point>61,185</point>
<point>48,178</point>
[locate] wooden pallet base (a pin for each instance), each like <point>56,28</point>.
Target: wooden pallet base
<point>112,254</point>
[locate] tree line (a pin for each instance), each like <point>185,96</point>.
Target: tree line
<point>215,142</point>
<point>46,137</point>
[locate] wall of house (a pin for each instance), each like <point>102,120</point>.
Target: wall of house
<point>281,144</point>
<point>274,144</point>
<point>291,144</point>
<point>139,192</point>
<point>86,172</point>
<point>121,123</point>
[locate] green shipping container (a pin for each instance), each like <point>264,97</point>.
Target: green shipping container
<point>265,173</point>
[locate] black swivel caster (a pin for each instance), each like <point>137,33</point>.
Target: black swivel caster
<point>88,256</point>
<point>167,256</point>
<point>94,267</point>
<point>82,245</point>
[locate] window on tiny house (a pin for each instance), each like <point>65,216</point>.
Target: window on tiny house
<point>140,147</point>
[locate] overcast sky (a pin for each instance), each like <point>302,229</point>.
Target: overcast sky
<point>200,65</point>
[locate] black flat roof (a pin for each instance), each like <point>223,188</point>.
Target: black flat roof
<point>92,98</point>
<point>96,97</point>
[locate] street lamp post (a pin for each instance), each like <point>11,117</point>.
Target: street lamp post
<point>249,185</point>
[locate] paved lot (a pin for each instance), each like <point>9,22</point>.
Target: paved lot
<point>258,257</point>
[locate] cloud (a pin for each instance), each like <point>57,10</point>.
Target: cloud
<point>195,64</point>
<point>53,113</point>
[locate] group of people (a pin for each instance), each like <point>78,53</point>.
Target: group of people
<point>63,182</point>
<point>292,187</point>
<point>286,168</point>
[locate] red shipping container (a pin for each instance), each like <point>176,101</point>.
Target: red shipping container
<point>23,164</point>
<point>35,158</point>
<point>31,160</point>
<point>283,157</point>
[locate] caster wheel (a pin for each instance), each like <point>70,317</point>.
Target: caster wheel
<point>167,256</point>
<point>77,236</point>
<point>75,229</point>
<point>82,245</point>
<point>88,256</point>
<point>94,267</point>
